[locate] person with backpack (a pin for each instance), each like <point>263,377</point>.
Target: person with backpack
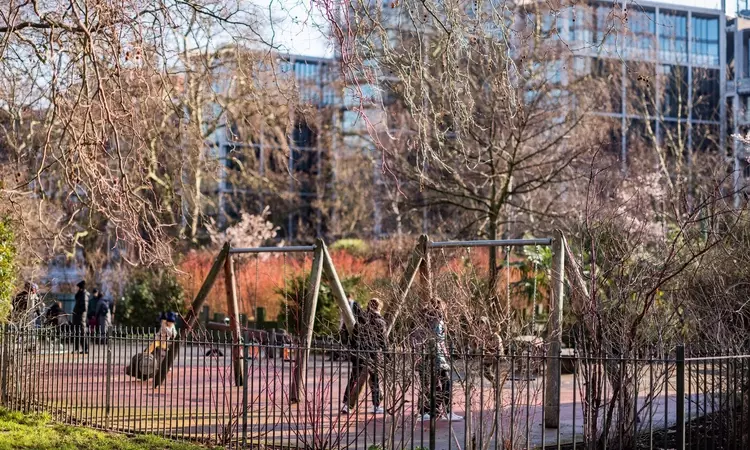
<point>430,342</point>
<point>103,316</point>
<point>80,313</point>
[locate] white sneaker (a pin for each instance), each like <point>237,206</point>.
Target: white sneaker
<point>345,409</point>
<point>452,417</point>
<point>377,410</point>
<point>424,418</point>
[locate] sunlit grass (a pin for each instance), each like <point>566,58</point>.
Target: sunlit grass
<point>38,431</point>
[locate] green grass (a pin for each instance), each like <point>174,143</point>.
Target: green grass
<point>37,431</point>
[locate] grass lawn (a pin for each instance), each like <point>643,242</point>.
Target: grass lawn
<point>39,432</point>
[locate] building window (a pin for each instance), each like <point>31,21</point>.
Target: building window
<point>303,136</point>
<point>672,37</point>
<point>580,25</point>
<point>608,75</point>
<point>705,35</point>
<point>673,82</point>
<point>641,34</point>
<point>607,28</point>
<point>706,94</point>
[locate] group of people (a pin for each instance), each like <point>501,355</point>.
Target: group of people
<point>92,314</point>
<point>369,344</point>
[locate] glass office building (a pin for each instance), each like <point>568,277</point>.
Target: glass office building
<point>666,64</point>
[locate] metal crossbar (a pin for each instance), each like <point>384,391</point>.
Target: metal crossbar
<point>291,249</point>
<point>492,243</point>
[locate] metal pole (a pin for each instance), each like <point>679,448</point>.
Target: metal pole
<point>108,394</point>
<point>234,320</point>
<point>246,356</point>
<point>6,363</point>
<point>554,334</point>
<point>680,363</point>
<point>308,317</point>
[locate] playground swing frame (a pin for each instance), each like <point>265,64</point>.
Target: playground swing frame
<point>322,263</point>
<point>418,262</point>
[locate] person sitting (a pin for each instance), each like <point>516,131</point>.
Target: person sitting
<point>167,332</point>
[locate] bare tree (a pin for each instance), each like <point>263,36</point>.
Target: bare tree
<point>112,109</point>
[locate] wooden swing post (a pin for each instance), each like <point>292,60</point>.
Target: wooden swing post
<point>412,267</point>
<point>338,290</point>
<point>554,333</point>
<point>234,321</point>
<point>308,322</point>
<point>192,316</point>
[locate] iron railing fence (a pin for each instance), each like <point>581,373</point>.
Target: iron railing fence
<point>473,399</point>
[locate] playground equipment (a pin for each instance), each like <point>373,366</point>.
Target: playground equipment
<point>419,262</point>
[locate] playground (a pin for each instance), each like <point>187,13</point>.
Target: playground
<point>237,386</point>
<point>199,401</point>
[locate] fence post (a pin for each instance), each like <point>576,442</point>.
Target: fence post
<point>6,363</point>
<point>554,334</point>
<point>246,357</point>
<point>680,365</point>
<point>433,381</point>
<point>108,394</point>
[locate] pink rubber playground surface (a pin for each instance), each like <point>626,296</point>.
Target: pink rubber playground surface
<point>198,401</point>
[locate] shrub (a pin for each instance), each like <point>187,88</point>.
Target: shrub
<point>356,247</point>
<point>327,311</point>
<point>147,294</point>
<point>7,267</point>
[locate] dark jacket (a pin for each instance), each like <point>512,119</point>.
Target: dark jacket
<point>102,307</point>
<point>55,315</point>
<point>369,338</point>
<point>80,309</point>
<point>346,339</point>
<point>91,308</point>
<point>21,302</point>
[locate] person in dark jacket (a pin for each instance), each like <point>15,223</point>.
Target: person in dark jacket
<point>91,311</point>
<point>368,341</point>
<point>103,307</point>
<point>25,305</point>
<point>80,314</point>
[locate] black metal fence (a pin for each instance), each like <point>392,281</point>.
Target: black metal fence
<point>409,399</point>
